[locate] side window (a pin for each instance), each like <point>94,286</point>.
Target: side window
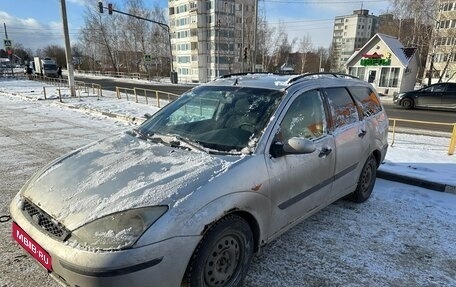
<point>367,100</point>
<point>439,88</point>
<point>305,117</point>
<point>343,109</point>
<point>451,88</point>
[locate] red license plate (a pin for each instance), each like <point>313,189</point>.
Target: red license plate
<point>31,246</point>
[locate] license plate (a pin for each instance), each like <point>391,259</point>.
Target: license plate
<point>31,246</point>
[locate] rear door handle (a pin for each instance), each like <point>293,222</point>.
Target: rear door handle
<point>362,133</point>
<point>325,151</point>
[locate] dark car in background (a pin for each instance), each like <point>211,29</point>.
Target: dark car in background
<point>436,96</point>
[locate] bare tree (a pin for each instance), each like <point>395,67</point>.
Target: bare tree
<point>119,42</point>
<point>55,52</point>
<point>416,19</point>
<point>100,34</point>
<point>305,46</point>
<point>273,45</point>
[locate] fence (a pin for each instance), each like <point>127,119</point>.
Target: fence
<point>146,94</point>
<point>80,86</point>
<point>452,144</point>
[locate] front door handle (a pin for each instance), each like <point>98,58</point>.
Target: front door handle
<point>325,151</point>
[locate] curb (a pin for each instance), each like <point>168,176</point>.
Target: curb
<point>417,182</point>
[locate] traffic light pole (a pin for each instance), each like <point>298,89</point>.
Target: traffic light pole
<point>163,25</point>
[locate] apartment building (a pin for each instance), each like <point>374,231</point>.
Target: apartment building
<point>211,38</point>
<point>441,62</point>
<point>350,33</point>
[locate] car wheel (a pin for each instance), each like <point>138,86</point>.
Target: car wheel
<point>407,104</point>
<point>366,181</point>
<point>223,256</point>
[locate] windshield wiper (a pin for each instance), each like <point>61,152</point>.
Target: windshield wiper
<point>193,144</point>
<point>137,133</point>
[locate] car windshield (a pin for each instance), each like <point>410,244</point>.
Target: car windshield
<point>50,67</point>
<point>216,118</point>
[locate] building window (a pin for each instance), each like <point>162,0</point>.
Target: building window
<point>389,77</point>
<point>357,72</point>
<point>183,59</point>
<point>182,71</point>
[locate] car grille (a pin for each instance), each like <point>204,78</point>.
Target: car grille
<point>40,218</point>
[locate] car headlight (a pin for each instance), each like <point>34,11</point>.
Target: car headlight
<point>118,230</point>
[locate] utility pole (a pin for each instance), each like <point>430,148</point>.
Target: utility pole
<point>217,48</point>
<point>255,37</point>
<point>242,38</point>
<point>69,60</point>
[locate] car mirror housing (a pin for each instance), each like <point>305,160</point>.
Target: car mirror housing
<point>298,145</point>
<point>295,145</point>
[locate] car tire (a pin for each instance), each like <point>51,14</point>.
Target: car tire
<point>223,256</point>
<point>407,103</point>
<point>366,181</point>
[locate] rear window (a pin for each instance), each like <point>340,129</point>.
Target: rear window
<point>367,100</point>
<point>343,109</point>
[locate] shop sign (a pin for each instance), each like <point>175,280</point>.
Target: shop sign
<point>376,59</point>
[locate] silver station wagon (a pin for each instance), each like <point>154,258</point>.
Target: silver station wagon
<point>189,196</point>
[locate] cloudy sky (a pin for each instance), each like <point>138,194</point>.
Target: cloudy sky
<point>36,24</point>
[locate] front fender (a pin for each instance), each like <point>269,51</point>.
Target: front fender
<point>256,205</point>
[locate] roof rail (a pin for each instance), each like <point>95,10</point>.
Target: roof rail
<point>335,75</point>
<point>248,73</point>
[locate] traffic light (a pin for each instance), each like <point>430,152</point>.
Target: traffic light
<point>245,53</point>
<point>100,7</point>
<point>110,9</point>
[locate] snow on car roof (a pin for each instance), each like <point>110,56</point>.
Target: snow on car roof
<point>272,81</point>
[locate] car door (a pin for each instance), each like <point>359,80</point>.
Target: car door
<point>351,143</point>
<point>430,96</point>
<point>300,183</point>
<point>449,97</point>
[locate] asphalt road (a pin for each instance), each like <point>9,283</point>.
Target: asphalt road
<point>398,112</point>
<point>111,84</point>
<point>392,110</point>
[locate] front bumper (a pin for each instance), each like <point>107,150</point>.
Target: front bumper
<point>159,264</point>
<point>397,100</point>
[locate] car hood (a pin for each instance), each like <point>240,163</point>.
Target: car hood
<point>119,174</point>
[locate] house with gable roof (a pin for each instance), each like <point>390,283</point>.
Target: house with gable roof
<point>385,63</point>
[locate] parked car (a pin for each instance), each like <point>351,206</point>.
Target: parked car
<point>436,96</point>
<point>195,191</point>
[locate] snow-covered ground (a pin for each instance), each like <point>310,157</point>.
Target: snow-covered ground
<point>402,236</point>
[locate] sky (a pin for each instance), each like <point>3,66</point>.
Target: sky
<point>36,24</point>
<point>402,236</point>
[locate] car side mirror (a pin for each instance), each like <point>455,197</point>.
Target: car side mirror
<point>295,145</point>
<point>298,145</point>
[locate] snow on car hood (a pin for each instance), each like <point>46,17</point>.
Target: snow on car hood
<point>119,174</point>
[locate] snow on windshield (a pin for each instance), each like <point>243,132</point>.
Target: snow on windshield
<point>221,118</point>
